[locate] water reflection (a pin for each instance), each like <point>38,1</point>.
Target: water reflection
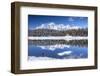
<point>57,49</point>
<point>81,43</point>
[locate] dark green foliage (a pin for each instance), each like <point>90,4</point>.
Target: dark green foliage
<point>54,42</point>
<point>51,32</point>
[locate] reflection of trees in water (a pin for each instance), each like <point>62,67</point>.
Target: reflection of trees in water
<point>55,42</point>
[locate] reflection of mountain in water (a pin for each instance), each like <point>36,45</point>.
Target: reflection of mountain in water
<point>54,42</point>
<point>49,49</point>
<point>58,51</point>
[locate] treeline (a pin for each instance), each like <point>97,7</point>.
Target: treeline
<point>54,42</point>
<point>45,32</point>
<point>78,32</point>
<point>51,32</point>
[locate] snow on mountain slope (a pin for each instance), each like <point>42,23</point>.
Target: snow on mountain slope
<point>54,26</point>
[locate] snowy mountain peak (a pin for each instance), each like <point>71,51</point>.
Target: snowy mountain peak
<point>54,26</point>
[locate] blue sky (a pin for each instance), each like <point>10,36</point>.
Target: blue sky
<point>37,20</point>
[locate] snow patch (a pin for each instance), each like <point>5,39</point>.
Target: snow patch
<point>55,26</point>
<point>58,38</point>
<point>39,58</point>
<point>64,53</point>
<point>54,47</point>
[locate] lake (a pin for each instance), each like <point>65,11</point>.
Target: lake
<point>57,49</point>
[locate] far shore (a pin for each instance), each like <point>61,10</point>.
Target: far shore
<point>58,38</point>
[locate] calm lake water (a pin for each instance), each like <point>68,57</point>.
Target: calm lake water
<point>63,51</point>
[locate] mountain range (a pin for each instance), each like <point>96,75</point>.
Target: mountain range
<point>58,26</point>
<point>52,29</point>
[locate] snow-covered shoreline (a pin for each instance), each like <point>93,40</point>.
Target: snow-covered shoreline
<point>31,58</point>
<point>57,38</point>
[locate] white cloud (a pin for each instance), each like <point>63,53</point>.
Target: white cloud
<point>64,53</point>
<point>54,47</point>
<point>39,58</point>
<point>54,26</point>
